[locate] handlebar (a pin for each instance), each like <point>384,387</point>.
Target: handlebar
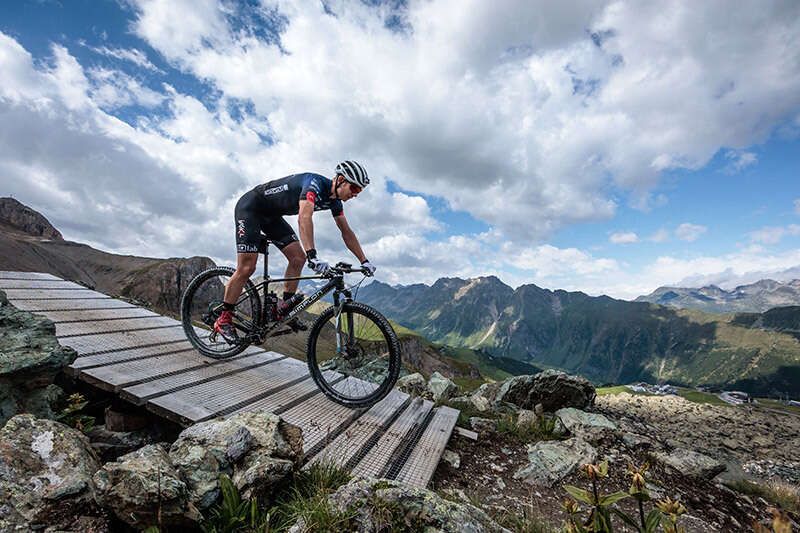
<point>347,268</point>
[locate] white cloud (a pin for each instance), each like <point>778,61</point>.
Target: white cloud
<point>517,109</point>
<point>661,235</point>
<point>773,234</point>
<point>739,159</point>
<point>519,116</point>
<point>690,232</point>
<point>132,55</point>
<point>628,237</point>
<point>797,206</point>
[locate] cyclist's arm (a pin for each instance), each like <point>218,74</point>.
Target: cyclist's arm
<point>306,226</point>
<point>349,238</point>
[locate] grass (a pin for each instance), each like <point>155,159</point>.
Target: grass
<point>784,495</point>
<point>776,404</point>
<point>540,429</point>
<point>700,397</point>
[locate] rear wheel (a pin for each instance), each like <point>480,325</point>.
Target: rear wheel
<point>201,305</point>
<point>354,357</point>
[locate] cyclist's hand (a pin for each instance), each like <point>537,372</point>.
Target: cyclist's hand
<point>368,268</point>
<point>320,267</point>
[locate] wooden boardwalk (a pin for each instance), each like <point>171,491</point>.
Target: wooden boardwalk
<point>145,359</point>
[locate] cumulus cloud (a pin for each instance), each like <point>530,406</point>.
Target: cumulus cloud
<point>627,237</point>
<point>773,234</point>
<point>530,118</point>
<point>690,232</point>
<point>526,115</point>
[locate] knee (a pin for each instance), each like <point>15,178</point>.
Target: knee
<point>297,261</point>
<point>246,270</point>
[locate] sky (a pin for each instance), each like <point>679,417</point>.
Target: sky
<point>607,147</point>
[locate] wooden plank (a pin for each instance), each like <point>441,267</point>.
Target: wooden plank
<point>83,315</point>
<point>102,342</point>
<point>421,464</point>
<point>115,377</point>
<point>377,459</point>
<point>348,444</point>
<point>321,419</point>
<point>52,294</point>
<point>466,433</point>
<point>281,399</point>
<point>46,284</point>
<point>90,327</point>
<point>35,306</point>
<point>212,398</point>
<point>5,274</point>
<point>121,356</point>
<point>173,384</point>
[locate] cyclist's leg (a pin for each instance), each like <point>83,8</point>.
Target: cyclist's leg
<point>248,235</point>
<point>281,233</point>
<point>245,266</point>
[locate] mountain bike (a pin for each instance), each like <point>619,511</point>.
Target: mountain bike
<point>352,351</point>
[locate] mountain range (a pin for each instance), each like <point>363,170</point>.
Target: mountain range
<point>754,298</point>
<point>604,339</point>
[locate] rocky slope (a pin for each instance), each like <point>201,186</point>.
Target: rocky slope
<point>28,242</point>
<point>604,339</point>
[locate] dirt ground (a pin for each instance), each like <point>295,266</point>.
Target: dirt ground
<point>487,467</point>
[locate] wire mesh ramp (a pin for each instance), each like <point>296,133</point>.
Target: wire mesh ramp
<point>145,359</point>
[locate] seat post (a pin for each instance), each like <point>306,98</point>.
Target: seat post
<point>266,260</point>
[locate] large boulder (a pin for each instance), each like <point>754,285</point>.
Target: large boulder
<point>256,449</point>
<point>552,461</point>
<point>30,358</point>
<point>383,505</point>
<point>592,427</point>
<point>46,472</point>
<point>441,388</point>
<point>690,463</point>
<point>551,388</point>
<point>143,488</point>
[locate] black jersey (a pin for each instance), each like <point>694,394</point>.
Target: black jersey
<point>282,196</point>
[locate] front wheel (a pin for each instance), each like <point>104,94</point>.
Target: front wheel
<point>202,304</point>
<point>353,355</point>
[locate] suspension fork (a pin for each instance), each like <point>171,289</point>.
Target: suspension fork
<point>338,304</point>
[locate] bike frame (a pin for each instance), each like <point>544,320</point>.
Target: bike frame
<point>336,284</point>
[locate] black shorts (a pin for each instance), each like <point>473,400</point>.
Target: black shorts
<point>252,220</point>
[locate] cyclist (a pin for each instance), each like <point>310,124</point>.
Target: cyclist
<point>262,210</point>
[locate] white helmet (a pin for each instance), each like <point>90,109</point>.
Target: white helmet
<point>353,172</point>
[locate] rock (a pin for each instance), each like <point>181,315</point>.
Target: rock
<point>552,461</point>
<point>25,219</point>
<point>384,505</point>
<point>46,472</point>
<point>441,388</point>
<point>143,488</point>
<point>482,425</point>
<point>484,396</point>
<point>414,384</point>
<point>690,463</point>
<point>110,445</point>
<point>526,418</point>
<point>452,458</point>
<point>256,449</point>
<point>30,358</point>
<point>592,427</point>
<point>551,388</point>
